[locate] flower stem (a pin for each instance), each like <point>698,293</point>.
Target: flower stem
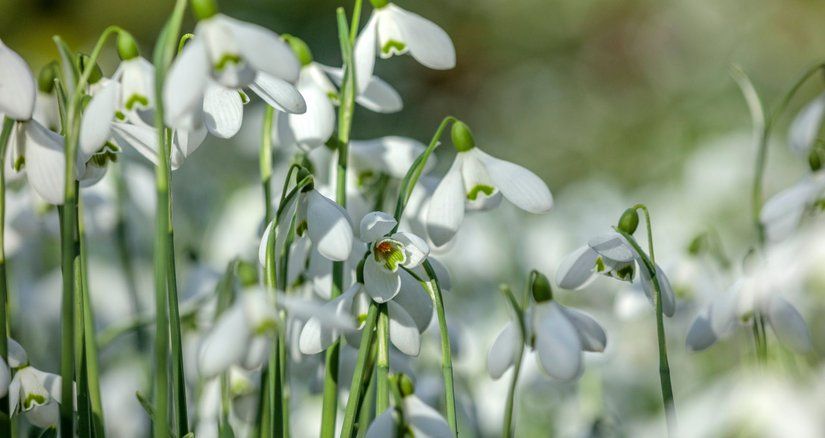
<point>5,422</point>
<point>265,160</point>
<point>507,427</point>
<point>356,392</point>
<point>446,355</point>
<point>382,398</point>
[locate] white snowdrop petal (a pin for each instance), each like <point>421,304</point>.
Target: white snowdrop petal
<point>383,426</point>
<point>426,422</point>
<point>379,96</point>
<point>17,85</point>
<point>612,246</point>
<point>143,139</point>
<point>185,86</point>
<point>364,53</point>
<point>415,248</point>
<point>781,214</point>
<point>44,416</point>
<point>502,354</point>
<point>17,354</point>
<point>263,49</point>
<point>279,94</point>
<point>668,296</point>
<point>446,208</point>
<point>45,162</point>
<point>315,338</point>
<point>392,155</point>
<point>257,353</point>
<point>591,334</point>
<point>222,111</point>
<point>380,284</point>
<point>185,143</point>
<point>403,330</point>
<point>427,42</point>
<point>415,301</point>
<point>788,325</point>
<point>226,344</point>
<point>96,121</point>
<point>556,342</point>
<point>576,270</point>
<point>310,129</point>
<point>328,227</point>
<point>262,246</point>
<point>5,378</point>
<point>520,186</point>
<point>700,334</point>
<point>375,225</point>
<point>805,126</point>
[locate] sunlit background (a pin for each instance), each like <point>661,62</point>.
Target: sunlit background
<point>610,102</point>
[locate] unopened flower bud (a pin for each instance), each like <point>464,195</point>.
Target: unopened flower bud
<point>300,48</point>
<point>83,62</point>
<point>463,139</point>
<point>127,46</point>
<point>405,385</point>
<point>378,4</point>
<point>629,221</point>
<point>204,9</point>
<point>45,80</point>
<point>540,287</point>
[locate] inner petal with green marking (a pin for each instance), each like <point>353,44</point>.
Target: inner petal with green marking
<point>226,60</point>
<point>393,47</point>
<point>136,99</point>
<point>389,253</point>
<point>477,189</point>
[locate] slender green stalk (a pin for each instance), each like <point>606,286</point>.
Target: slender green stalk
<point>5,423</point>
<point>367,411</point>
<point>507,428</point>
<point>84,409</point>
<point>178,378</point>
<point>382,396</point>
<point>434,288</point>
<point>359,376</point>
<point>164,52</point>
<point>273,424</point>
<point>664,367</point>
<point>265,160</point>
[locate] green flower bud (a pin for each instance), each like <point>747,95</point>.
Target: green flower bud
<point>300,48</point>
<point>405,385</point>
<point>82,62</point>
<point>814,160</point>
<point>247,273</point>
<point>463,139</point>
<point>303,173</point>
<point>540,287</point>
<point>204,9</point>
<point>127,46</point>
<point>45,80</point>
<point>629,221</point>
<point>378,4</point>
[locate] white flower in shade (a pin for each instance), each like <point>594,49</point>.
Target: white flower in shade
<point>392,30</point>
<point>804,129</point>
<point>223,57</point>
<point>477,181</point>
<point>611,255</point>
<point>36,394</point>
<point>388,255</point>
<point>391,155</point>
<point>558,334</point>
<point>737,307</point>
<point>317,84</point>
<point>17,86</point>
<point>784,211</point>
<point>416,417</point>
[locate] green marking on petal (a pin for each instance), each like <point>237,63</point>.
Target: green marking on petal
<point>32,400</point>
<point>244,97</point>
<point>226,60</point>
<point>390,253</point>
<point>362,317</point>
<point>265,327</point>
<point>120,116</point>
<point>600,267</point>
<point>365,178</point>
<point>19,163</point>
<point>136,99</point>
<point>301,228</point>
<point>393,46</point>
<point>625,274</point>
<point>480,188</point>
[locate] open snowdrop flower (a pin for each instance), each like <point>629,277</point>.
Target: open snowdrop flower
<point>314,127</point>
<point>388,255</point>
<point>477,181</point>
<point>36,394</point>
<point>412,417</point>
<point>224,56</point>
<point>558,334</point>
<point>392,30</point>
<point>613,256</point>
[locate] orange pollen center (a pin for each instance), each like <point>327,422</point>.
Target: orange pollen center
<point>384,247</point>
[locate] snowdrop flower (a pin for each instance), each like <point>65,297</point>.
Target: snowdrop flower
<point>36,394</point>
<point>391,155</point>
<point>477,181</point>
<point>224,56</point>
<point>557,333</point>
<point>388,255</point>
<point>412,418</point>
<point>613,256</point>
<point>315,337</point>
<point>314,127</point>
<point>46,110</point>
<point>392,30</point>
<point>783,212</point>
<point>802,134</point>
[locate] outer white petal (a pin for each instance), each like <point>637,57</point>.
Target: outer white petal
<point>17,86</point>
<point>556,342</point>
<point>403,330</point>
<point>45,162</point>
<point>185,86</point>
<point>415,248</point>
<point>612,246</point>
<point>384,425</point>
<point>668,297</point>
<point>5,378</point>
<point>364,54</point>
<point>315,336</point>
<point>788,325</point>
<point>520,186</point>
<point>415,301</point>
<point>375,225</point>
<point>446,209</point>
<point>226,344</point>
<point>311,129</point>
<point>576,270</point>
<point>805,127</point>
<point>502,354</point>
<point>186,142</point>
<point>781,214</point>
<point>45,416</point>
<point>279,94</point>
<point>264,50</point>
<point>328,226</point>
<point>257,353</point>
<point>700,335</point>
<point>381,97</point>
<point>17,355</point>
<point>222,111</point>
<point>380,284</point>
<point>391,155</point>
<point>263,244</point>
<point>96,122</point>
<point>426,422</point>
<point>427,42</point>
<point>591,334</point>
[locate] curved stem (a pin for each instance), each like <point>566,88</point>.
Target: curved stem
<point>446,355</point>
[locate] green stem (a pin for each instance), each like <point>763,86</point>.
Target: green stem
<point>507,428</point>
<point>359,377</point>
<point>178,378</point>
<point>5,423</point>
<point>382,397</point>
<point>446,355</point>
<point>265,160</point>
